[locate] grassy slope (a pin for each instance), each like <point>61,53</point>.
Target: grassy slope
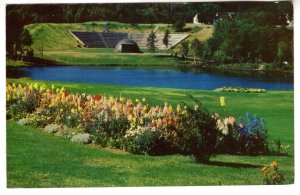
<point>57,37</point>
<point>60,46</point>
<point>31,162</point>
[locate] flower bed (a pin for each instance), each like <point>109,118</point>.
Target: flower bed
<point>241,90</point>
<point>132,125</point>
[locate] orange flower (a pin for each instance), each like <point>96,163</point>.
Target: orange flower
<point>231,121</point>
<point>264,169</point>
<point>274,164</point>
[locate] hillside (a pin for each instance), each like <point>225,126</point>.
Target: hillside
<point>52,36</point>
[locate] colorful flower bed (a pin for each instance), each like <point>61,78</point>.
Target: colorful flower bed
<point>135,126</point>
<point>241,90</point>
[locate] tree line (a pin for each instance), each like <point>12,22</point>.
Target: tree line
<point>257,32</point>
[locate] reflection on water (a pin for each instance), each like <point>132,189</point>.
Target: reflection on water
<point>155,77</point>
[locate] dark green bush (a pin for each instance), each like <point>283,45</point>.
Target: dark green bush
<point>178,25</point>
<point>197,133</point>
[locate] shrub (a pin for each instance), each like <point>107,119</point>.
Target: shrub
<point>197,133</point>
<point>178,25</point>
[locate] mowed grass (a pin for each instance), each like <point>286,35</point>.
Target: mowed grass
<point>52,36</point>
<point>36,159</point>
<point>100,56</point>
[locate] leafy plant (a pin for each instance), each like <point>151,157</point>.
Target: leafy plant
<point>178,25</point>
<point>197,132</point>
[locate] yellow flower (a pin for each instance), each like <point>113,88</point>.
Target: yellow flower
<point>170,109</point>
<point>35,86</point>
<point>72,110</point>
<point>222,101</point>
<point>129,117</point>
<point>178,109</point>
<point>111,100</point>
<point>145,108</point>
<point>141,121</point>
<point>61,110</point>
<point>62,89</point>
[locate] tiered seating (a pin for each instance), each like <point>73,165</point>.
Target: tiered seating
<point>112,38</point>
<point>90,39</point>
<point>141,39</point>
<point>176,38</point>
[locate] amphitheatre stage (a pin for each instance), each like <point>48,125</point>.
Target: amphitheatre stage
<point>110,39</point>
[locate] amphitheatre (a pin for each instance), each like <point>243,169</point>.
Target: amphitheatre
<point>110,39</point>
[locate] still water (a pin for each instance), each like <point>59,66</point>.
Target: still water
<point>147,77</point>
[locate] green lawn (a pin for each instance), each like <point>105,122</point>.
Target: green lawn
<point>36,159</point>
<point>103,56</point>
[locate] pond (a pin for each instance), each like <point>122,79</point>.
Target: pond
<point>147,77</point>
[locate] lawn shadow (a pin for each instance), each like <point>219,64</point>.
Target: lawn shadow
<point>233,165</point>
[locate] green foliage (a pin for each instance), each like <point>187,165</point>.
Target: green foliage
<point>151,40</point>
<point>250,37</point>
<point>25,38</point>
<point>166,37</point>
<point>178,25</point>
<point>184,49</point>
<point>196,49</point>
<point>197,133</point>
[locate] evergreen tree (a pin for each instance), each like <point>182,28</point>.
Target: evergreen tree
<point>166,37</point>
<point>151,40</point>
